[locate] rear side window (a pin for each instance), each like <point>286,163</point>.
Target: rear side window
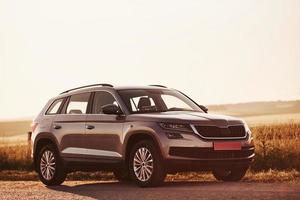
<point>78,104</point>
<point>54,108</point>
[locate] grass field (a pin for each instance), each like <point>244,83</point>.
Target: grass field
<point>276,135</point>
<point>277,148</point>
<point>291,176</point>
<point>14,128</point>
<point>272,119</point>
<point>252,109</point>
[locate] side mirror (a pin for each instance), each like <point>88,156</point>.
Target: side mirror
<point>111,109</point>
<point>203,108</point>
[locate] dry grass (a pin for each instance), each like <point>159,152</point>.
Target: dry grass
<point>292,176</point>
<point>273,176</point>
<point>263,176</point>
<point>277,159</point>
<point>277,147</point>
<point>15,157</point>
<point>22,175</point>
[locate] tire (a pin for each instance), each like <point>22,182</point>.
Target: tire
<point>121,175</point>
<point>157,174</point>
<point>58,174</point>
<point>234,174</point>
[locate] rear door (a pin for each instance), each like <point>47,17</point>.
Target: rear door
<point>104,131</point>
<point>69,126</point>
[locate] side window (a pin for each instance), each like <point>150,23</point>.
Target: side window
<point>78,104</point>
<point>53,109</point>
<point>135,102</point>
<point>101,99</point>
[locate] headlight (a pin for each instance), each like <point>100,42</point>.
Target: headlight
<point>176,127</point>
<point>248,131</point>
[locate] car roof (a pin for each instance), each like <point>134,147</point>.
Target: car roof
<point>140,87</point>
<point>109,88</point>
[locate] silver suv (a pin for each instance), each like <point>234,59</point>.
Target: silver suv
<point>138,133</point>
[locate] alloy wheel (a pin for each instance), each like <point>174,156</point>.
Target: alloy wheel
<point>143,164</point>
<point>47,165</point>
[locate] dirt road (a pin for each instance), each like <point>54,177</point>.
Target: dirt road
<point>171,190</point>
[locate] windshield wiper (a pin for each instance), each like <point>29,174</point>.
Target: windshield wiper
<point>179,109</point>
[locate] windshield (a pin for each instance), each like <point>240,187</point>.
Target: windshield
<point>149,100</point>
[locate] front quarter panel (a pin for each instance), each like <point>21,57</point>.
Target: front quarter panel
<point>148,128</point>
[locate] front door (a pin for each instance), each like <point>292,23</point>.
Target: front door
<point>104,131</point>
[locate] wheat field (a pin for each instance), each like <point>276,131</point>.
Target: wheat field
<point>277,148</point>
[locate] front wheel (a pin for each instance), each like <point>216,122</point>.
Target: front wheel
<point>234,174</point>
<point>50,167</point>
<point>145,165</point>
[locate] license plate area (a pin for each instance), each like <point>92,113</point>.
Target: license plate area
<point>227,146</point>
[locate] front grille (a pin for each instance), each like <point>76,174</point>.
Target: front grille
<point>210,153</point>
<point>211,132</point>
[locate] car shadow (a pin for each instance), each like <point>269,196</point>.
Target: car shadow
<point>127,190</point>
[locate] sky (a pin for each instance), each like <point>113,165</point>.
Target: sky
<point>215,51</point>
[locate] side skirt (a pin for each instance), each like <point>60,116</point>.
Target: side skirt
<point>81,164</point>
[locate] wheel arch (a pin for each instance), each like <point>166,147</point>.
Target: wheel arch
<point>137,136</point>
<point>40,141</point>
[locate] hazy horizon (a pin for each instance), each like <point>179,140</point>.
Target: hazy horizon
<point>210,105</point>
<point>217,52</point>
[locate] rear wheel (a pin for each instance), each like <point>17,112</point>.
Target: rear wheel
<point>145,165</point>
<point>234,174</point>
<point>50,167</point>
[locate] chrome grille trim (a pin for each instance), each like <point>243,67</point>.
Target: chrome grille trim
<point>217,138</point>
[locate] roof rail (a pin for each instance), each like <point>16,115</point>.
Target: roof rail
<point>100,84</point>
<point>159,86</point>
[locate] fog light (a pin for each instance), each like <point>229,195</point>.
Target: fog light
<point>174,135</point>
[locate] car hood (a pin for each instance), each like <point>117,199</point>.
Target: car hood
<point>187,117</point>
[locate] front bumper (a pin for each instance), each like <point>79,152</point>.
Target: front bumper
<point>203,159</point>
<point>210,153</point>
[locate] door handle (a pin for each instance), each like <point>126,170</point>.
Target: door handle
<point>89,127</point>
<point>57,127</point>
